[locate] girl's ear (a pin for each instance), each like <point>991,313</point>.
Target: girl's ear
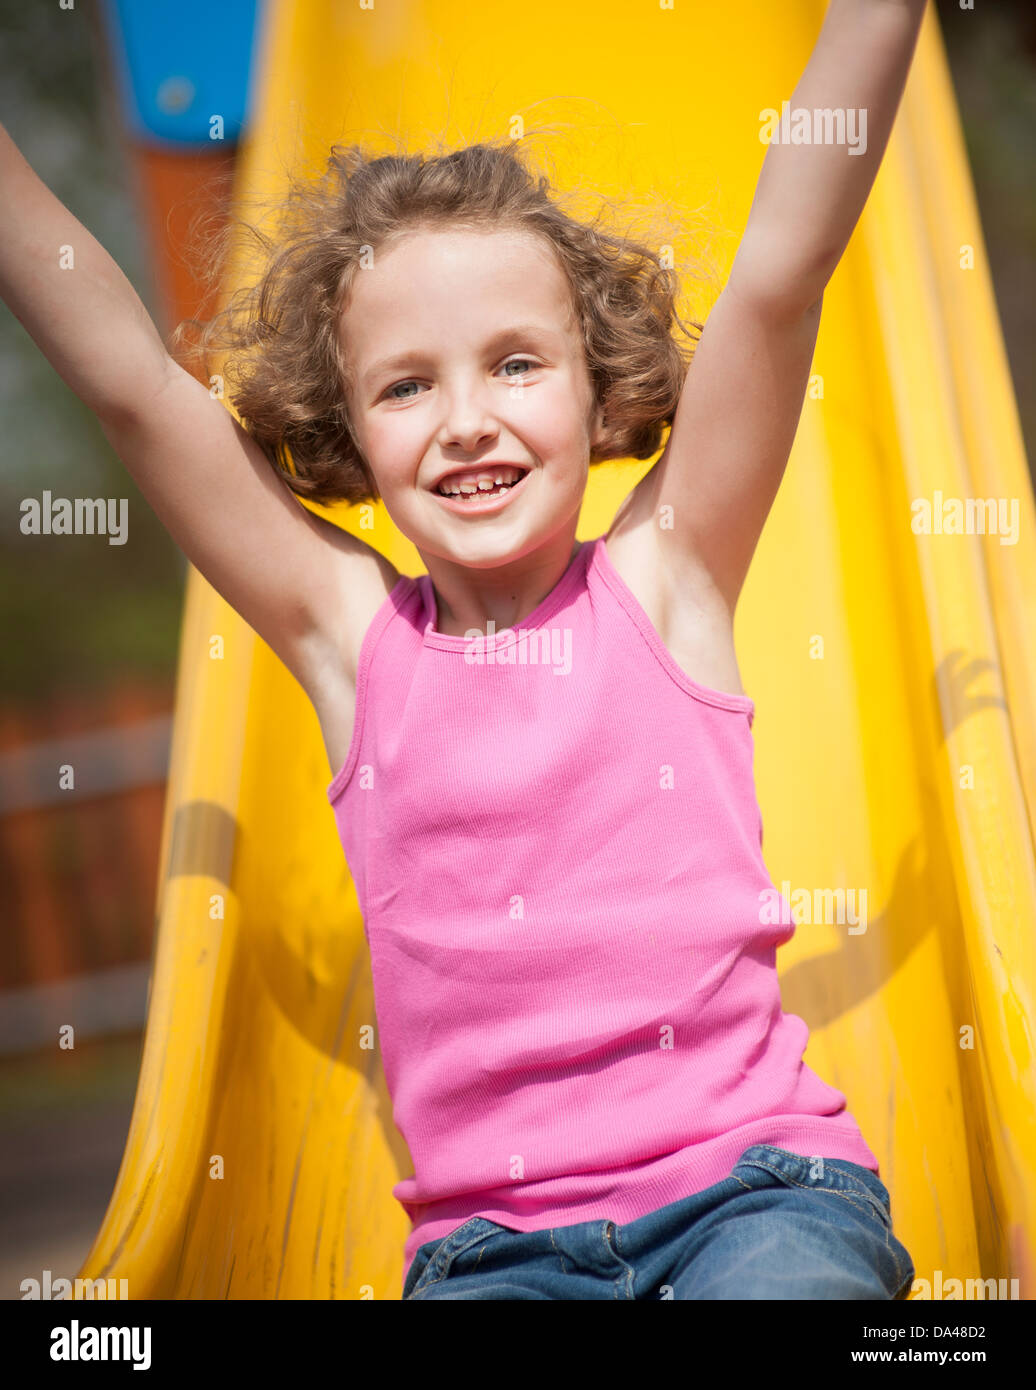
<point>598,432</point>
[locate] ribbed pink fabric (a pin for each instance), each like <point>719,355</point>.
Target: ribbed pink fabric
<point>558,854</point>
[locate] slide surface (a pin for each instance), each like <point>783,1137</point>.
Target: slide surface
<point>894,675</point>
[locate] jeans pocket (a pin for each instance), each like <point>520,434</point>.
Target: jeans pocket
<point>418,1265</point>
<point>434,1260</point>
<point>763,1164</point>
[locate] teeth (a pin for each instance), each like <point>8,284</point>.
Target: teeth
<point>484,482</point>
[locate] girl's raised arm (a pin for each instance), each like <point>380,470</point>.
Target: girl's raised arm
<point>290,574</point>
<point>741,400</point>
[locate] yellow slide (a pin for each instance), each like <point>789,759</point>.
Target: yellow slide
<point>893,668</point>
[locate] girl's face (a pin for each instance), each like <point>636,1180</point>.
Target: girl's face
<point>466,355</point>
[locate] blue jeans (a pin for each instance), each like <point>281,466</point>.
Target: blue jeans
<point>769,1230</point>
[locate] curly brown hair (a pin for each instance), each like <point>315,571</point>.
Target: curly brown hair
<point>286,373</point>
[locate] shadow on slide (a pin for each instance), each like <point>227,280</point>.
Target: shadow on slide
<point>893,669</point>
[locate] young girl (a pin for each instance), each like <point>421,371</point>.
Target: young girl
<point>542,753</point>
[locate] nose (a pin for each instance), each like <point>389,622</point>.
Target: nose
<point>467,422</point>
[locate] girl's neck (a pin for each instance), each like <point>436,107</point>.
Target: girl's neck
<point>467,598</point>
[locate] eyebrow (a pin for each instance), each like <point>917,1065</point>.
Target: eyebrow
<point>400,361</point>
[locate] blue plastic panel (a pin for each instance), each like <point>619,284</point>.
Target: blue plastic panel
<point>184,67</point>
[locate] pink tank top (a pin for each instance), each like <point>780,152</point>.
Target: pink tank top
<point>557,850</point>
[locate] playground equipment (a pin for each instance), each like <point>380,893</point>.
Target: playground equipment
<point>893,670</point>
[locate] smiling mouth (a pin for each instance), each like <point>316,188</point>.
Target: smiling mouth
<point>483,488</point>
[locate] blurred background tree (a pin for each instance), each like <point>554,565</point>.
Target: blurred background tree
<point>84,612</point>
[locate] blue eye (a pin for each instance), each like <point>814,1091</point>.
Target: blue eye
<point>392,389</point>
<point>517,361</point>
<point>514,362</point>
